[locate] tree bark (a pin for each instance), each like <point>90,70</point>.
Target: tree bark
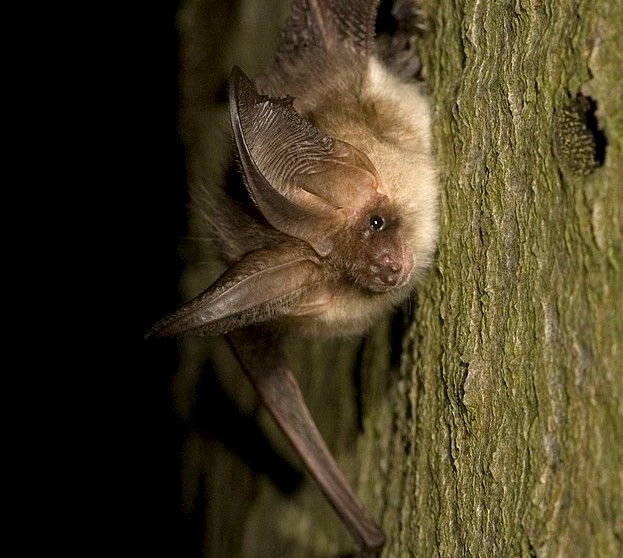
<point>490,423</point>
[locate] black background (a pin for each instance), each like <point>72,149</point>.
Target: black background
<point>154,184</point>
<point>128,213</point>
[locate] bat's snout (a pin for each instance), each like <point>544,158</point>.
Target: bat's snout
<point>389,272</point>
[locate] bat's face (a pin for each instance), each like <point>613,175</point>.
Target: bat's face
<point>377,256</point>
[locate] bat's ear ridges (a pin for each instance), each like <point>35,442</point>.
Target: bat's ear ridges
<point>267,132</point>
<point>306,184</point>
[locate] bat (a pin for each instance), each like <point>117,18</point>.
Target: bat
<point>336,220</point>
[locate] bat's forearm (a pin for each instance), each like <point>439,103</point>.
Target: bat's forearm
<point>282,396</point>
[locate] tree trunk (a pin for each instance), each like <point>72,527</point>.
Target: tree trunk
<point>490,423</point>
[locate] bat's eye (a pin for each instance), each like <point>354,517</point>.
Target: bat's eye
<point>377,223</point>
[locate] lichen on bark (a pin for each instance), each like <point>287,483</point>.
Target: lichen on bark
<point>515,370</point>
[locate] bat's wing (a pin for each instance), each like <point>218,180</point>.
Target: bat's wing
<point>282,396</point>
<point>306,184</point>
<point>263,285</point>
<point>317,26</point>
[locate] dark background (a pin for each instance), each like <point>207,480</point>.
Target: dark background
<point>124,438</point>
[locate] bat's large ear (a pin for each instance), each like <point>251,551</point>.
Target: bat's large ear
<point>305,183</point>
<point>263,285</point>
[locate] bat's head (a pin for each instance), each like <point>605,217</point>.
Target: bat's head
<point>319,189</point>
<point>373,251</point>
<point>347,249</point>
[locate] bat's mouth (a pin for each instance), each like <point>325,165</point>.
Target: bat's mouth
<point>383,282</point>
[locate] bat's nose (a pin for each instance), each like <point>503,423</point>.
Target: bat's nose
<point>388,272</point>
<point>390,265</point>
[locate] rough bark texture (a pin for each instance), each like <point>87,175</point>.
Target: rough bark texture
<point>499,429</point>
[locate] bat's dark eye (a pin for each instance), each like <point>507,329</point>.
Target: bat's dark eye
<point>377,223</point>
